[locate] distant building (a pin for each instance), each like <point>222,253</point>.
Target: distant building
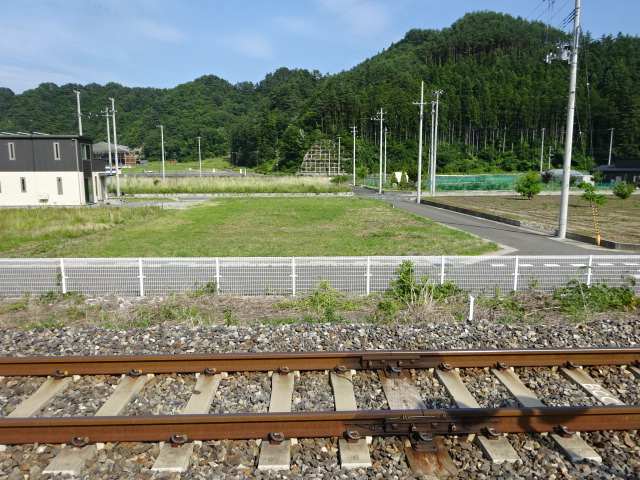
<point>126,157</point>
<point>576,176</point>
<point>624,170</point>
<point>39,169</point>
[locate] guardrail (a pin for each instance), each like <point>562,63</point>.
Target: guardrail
<point>132,277</point>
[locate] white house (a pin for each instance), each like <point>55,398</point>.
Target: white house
<point>39,169</point>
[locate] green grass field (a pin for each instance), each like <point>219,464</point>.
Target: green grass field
<point>238,185</point>
<point>242,227</point>
<point>208,165</point>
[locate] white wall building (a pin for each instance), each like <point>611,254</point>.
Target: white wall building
<point>49,170</point>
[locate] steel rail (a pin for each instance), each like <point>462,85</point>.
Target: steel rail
<point>357,360</point>
<point>316,424</point>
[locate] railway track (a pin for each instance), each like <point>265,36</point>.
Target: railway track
<point>423,397</point>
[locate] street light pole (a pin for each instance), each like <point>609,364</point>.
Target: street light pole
<point>384,176</point>
<point>542,150</point>
<point>434,148</point>
<point>338,172</point>
<point>115,143</point>
<point>199,156</point>
<point>79,112</point>
<point>106,114</point>
<point>162,142</point>
<point>431,145</point>
<point>381,118</point>
<point>571,106</point>
<point>353,130</point>
<point>610,145</point>
<point>421,104</point>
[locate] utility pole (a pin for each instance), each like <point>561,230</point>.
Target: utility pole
<point>571,106</point>
<point>115,142</point>
<point>542,150</point>
<point>384,176</point>
<point>338,172</point>
<point>162,142</point>
<point>106,114</point>
<point>421,104</point>
<point>610,145</point>
<point>79,112</point>
<point>434,148</point>
<point>381,119</point>
<point>199,155</point>
<point>354,129</point>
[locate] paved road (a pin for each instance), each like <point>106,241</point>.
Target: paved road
<point>514,240</point>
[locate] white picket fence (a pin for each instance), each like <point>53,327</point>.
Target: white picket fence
<point>292,275</point>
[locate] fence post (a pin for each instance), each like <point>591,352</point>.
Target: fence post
<point>141,275</point>
<point>589,268</point>
<point>217,274</point>
<point>368,275</point>
<point>515,275</point>
<point>442,260</point>
<point>63,277</point>
<point>293,276</point>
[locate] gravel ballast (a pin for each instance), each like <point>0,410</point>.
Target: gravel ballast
<point>319,458</point>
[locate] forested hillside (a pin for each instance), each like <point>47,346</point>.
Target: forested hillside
<point>498,97</point>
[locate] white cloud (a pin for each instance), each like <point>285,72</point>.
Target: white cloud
<point>358,17</point>
<point>19,79</point>
<point>249,44</point>
<point>297,25</point>
<point>156,31</point>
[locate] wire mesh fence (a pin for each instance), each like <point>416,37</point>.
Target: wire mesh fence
<point>486,275</point>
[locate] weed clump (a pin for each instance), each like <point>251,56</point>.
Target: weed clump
<point>577,298</point>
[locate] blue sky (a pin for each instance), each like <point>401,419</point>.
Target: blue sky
<point>163,43</point>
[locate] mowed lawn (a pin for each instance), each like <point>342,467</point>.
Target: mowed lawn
<point>245,227</point>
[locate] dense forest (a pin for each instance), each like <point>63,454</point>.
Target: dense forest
<point>499,99</point>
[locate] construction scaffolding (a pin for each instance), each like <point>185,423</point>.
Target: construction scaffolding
<point>322,160</point>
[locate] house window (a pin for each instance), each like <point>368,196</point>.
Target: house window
<point>23,184</point>
<point>12,151</point>
<point>59,183</point>
<point>86,152</point>
<point>56,151</point>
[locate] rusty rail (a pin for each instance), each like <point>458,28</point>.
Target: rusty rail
<point>317,424</point>
<point>81,430</point>
<point>356,360</point>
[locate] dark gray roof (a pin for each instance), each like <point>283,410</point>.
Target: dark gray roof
<point>613,168</point>
<point>102,147</point>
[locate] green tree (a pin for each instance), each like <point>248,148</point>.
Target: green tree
<point>529,184</point>
<point>624,190</point>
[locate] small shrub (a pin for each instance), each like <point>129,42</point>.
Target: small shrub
<point>209,288</point>
<point>528,185</point>
<point>546,177</point>
<point>407,289</point>
<point>230,319</point>
<point>577,297</point>
<point>339,179</point>
<point>623,190</point>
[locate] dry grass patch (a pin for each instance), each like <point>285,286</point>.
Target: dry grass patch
<point>619,220</point>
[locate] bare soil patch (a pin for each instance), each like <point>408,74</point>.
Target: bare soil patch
<point>618,220</point>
